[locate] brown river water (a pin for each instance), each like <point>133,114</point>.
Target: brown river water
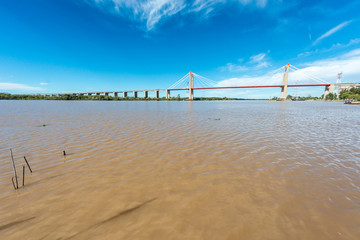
<point>180,170</point>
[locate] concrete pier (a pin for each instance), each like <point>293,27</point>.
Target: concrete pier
<point>191,94</point>
<point>328,89</point>
<point>124,94</point>
<point>106,94</point>
<point>146,94</point>
<point>285,83</point>
<point>156,93</point>
<point>191,86</point>
<point>167,93</point>
<point>135,94</point>
<point>115,94</point>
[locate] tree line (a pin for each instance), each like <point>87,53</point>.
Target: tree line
<point>70,97</point>
<point>352,93</point>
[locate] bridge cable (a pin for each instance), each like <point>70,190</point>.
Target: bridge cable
<point>209,81</point>
<point>203,83</point>
<point>308,76</point>
<point>179,81</point>
<point>312,77</point>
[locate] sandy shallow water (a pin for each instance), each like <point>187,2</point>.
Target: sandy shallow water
<point>180,170</point>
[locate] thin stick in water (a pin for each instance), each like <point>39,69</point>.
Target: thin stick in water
<point>23,175</point>
<point>12,158</point>
<point>64,153</point>
<point>12,179</point>
<point>28,164</point>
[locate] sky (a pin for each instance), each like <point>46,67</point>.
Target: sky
<point>112,45</point>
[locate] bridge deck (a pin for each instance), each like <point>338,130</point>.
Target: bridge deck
<point>203,88</point>
<point>263,86</point>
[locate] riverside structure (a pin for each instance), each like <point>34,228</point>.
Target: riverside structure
<point>189,79</point>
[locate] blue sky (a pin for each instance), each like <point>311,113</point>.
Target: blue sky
<point>105,45</point>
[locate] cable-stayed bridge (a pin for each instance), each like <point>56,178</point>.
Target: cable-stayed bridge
<point>191,82</point>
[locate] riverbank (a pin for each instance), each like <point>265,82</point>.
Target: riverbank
<point>5,96</point>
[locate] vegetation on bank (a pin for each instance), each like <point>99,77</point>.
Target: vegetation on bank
<point>352,93</point>
<point>7,96</point>
<point>308,97</point>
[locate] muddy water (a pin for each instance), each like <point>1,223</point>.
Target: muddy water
<point>181,170</point>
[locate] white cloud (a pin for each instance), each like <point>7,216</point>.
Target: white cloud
<point>150,11</point>
<point>153,11</point>
<point>257,61</point>
<point>43,83</point>
<point>257,58</point>
<point>332,31</point>
<point>199,5</point>
<point>259,3</point>
<point>235,67</point>
<point>18,86</point>
<point>333,47</point>
<point>325,69</point>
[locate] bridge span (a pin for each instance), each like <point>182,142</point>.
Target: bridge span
<point>125,94</point>
<point>189,79</point>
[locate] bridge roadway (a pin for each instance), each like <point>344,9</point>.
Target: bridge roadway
<point>264,86</point>
<point>167,91</point>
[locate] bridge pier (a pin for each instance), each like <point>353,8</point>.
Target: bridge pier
<point>124,94</point>
<point>191,86</point>
<point>97,94</point>
<point>156,93</point>
<point>106,94</point>
<point>146,94</point>
<point>285,83</point>
<point>167,93</point>
<point>135,94</point>
<point>115,94</point>
<point>191,94</point>
<point>328,89</point>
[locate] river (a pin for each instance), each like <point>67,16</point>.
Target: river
<point>180,170</point>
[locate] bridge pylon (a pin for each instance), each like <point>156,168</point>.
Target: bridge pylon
<point>191,87</point>
<point>285,83</point>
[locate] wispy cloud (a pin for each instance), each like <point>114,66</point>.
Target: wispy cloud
<point>199,5</point>
<point>255,62</point>
<point>332,31</point>
<point>151,12</point>
<point>43,83</point>
<point>336,46</point>
<point>17,86</point>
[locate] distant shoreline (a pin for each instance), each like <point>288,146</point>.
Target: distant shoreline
<point>68,97</point>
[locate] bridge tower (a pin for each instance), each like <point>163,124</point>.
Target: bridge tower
<point>338,82</point>
<point>191,86</point>
<point>285,83</point>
